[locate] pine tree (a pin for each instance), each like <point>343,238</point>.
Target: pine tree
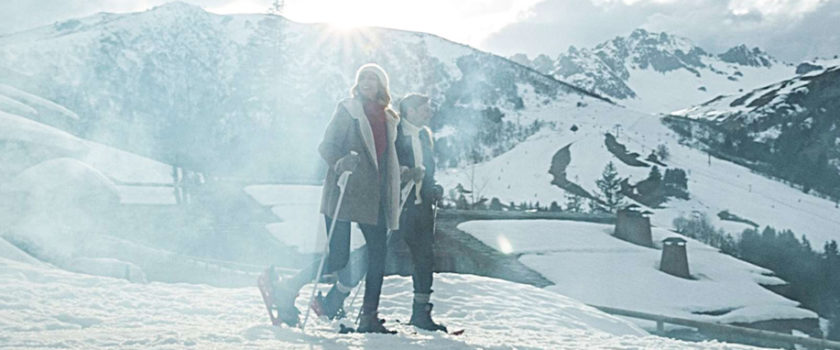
<point>277,7</point>
<point>610,186</point>
<point>574,203</point>
<point>662,152</point>
<point>495,204</point>
<point>461,203</point>
<point>654,174</point>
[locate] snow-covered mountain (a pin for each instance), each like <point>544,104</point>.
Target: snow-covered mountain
<point>230,94</point>
<point>788,129</point>
<point>660,72</point>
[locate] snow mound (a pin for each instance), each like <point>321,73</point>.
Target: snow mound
<point>67,180</point>
<point>49,307</point>
<point>29,103</point>
<point>19,129</point>
<point>127,167</point>
<point>107,267</point>
<point>56,207</point>
<point>11,252</point>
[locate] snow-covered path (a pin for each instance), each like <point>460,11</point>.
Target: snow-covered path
<point>43,307</point>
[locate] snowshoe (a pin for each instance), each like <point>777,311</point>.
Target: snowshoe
<point>279,302</point>
<point>370,323</point>
<point>330,306</point>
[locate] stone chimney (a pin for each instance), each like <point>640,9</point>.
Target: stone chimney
<point>674,258</point>
<point>633,226</point>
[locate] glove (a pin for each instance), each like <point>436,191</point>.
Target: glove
<point>417,174</point>
<point>437,192</point>
<point>347,163</point>
<point>404,174</point>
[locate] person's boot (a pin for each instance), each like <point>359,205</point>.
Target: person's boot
<point>331,305</point>
<point>421,317</point>
<point>369,322</point>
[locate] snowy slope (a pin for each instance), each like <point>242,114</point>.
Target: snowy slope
<point>752,108</point>
<point>664,92</point>
<point>586,263</point>
<point>714,185</point>
<point>660,72</point>
<point>45,307</point>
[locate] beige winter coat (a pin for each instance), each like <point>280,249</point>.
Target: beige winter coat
<point>349,130</point>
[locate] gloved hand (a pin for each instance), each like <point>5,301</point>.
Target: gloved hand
<point>405,174</point>
<point>437,192</point>
<point>347,163</point>
<point>417,174</point>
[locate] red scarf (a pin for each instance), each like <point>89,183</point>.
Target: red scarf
<point>375,113</point>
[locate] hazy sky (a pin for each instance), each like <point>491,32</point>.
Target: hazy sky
<point>792,30</point>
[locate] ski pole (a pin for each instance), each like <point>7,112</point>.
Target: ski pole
<point>342,185</point>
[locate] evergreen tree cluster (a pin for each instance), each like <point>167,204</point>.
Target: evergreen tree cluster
<point>656,188</point>
<point>481,134</point>
<point>813,276</point>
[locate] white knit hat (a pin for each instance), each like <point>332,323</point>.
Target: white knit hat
<point>375,69</point>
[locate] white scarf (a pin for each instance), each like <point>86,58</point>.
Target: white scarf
<point>413,132</point>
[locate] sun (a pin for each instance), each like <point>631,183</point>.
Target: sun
<point>341,15</point>
<point>344,25</point>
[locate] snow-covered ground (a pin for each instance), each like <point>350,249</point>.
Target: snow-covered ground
<point>586,263</point>
<point>44,307</point>
<point>521,174</point>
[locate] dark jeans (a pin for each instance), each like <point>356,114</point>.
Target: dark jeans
<point>417,229</point>
<point>350,272</point>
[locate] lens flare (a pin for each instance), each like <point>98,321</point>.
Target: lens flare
<point>504,245</point>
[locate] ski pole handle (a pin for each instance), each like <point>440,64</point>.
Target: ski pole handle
<point>342,179</point>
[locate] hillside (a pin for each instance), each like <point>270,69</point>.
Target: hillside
<point>714,184</point>
<point>229,93</point>
<point>788,129</point>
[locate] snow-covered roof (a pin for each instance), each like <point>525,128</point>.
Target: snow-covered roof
<point>587,263</point>
<point>63,178</point>
<point>19,129</point>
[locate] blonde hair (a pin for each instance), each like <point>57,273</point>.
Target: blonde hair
<point>383,95</point>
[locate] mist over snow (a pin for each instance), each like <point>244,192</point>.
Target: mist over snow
<point>156,157</point>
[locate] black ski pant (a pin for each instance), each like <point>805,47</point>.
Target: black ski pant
<point>417,229</point>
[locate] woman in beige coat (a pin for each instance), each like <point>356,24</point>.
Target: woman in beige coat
<point>359,138</point>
